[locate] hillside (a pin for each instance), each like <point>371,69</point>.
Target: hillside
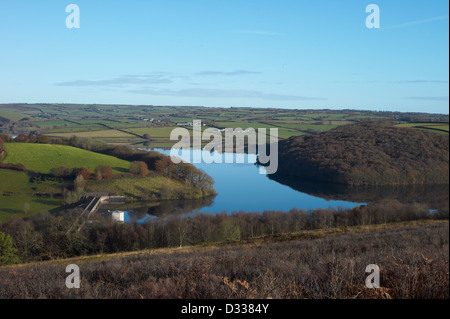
<point>371,153</point>
<point>43,157</point>
<point>20,196</point>
<point>40,177</point>
<point>319,264</point>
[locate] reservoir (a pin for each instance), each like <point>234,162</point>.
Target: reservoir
<point>241,188</point>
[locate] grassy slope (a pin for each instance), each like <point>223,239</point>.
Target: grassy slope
<point>16,189</point>
<point>12,116</point>
<point>43,157</point>
<point>143,187</point>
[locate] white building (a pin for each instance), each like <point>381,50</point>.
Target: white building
<point>118,216</point>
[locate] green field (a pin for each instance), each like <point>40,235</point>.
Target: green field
<point>12,116</point>
<point>103,134</point>
<point>74,128</point>
<point>436,127</point>
<point>20,192</point>
<point>43,157</point>
<point>112,123</point>
<point>159,136</point>
<point>53,123</point>
<point>132,186</point>
<point>17,191</point>
<point>155,132</point>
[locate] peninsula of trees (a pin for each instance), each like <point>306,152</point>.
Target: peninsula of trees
<point>370,153</point>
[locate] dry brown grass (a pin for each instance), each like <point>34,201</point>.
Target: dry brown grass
<point>413,259</point>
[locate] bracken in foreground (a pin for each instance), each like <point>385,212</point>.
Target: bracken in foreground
<point>413,261</point>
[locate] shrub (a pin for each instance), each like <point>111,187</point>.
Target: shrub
<point>139,168</point>
<point>61,171</point>
<point>84,172</point>
<point>103,172</point>
<point>8,254</point>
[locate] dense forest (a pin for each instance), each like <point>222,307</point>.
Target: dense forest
<point>370,153</point>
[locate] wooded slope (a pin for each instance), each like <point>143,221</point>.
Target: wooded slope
<point>371,153</point>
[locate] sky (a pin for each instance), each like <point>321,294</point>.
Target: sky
<point>228,53</point>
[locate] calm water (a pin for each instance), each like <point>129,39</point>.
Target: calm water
<point>241,187</point>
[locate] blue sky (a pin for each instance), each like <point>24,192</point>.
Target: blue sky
<point>242,53</point>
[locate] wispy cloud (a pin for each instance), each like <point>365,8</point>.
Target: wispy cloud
<point>154,84</point>
<point>224,93</point>
<point>428,98</point>
<point>419,81</point>
<point>258,32</point>
<point>416,22</point>
<point>120,81</point>
<point>151,78</point>
<point>222,73</point>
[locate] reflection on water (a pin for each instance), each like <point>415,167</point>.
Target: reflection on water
<point>435,196</point>
<point>140,211</point>
<point>241,187</point>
